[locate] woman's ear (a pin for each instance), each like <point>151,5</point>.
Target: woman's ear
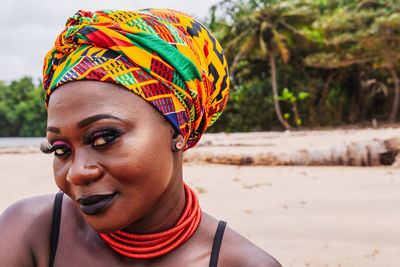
<point>178,143</point>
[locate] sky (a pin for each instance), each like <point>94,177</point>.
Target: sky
<point>28,28</point>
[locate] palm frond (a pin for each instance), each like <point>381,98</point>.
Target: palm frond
<point>248,45</point>
<point>279,41</point>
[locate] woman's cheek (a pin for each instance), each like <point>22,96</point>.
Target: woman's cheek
<point>126,171</point>
<point>60,171</point>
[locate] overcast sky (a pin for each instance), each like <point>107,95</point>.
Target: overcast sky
<point>28,28</point>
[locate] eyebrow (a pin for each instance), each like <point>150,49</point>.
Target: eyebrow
<point>52,129</point>
<point>85,122</point>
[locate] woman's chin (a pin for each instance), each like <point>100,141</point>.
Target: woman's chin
<point>106,223</point>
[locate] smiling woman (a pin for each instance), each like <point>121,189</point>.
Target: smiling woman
<point>126,93</point>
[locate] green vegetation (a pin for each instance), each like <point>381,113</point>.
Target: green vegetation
<point>344,55</point>
<point>22,109</point>
<point>294,63</point>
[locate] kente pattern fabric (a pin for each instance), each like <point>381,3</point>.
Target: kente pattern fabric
<point>164,56</point>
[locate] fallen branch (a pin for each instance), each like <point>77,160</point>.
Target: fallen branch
<point>364,153</point>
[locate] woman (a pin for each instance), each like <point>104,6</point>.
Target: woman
<point>118,152</point>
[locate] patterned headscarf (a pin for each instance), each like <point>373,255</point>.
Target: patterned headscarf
<point>164,56</point>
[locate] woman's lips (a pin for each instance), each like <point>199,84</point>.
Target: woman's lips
<point>95,204</point>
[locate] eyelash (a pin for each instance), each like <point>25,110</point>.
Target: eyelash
<point>113,133</point>
<point>49,148</point>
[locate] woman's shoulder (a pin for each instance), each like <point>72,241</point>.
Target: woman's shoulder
<point>236,250</point>
<point>24,213</point>
<point>25,228</point>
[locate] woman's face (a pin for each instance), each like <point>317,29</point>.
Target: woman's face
<point>113,153</point>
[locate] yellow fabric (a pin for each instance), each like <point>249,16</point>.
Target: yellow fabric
<point>164,56</point>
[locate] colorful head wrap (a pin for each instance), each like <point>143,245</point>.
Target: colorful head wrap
<point>164,56</point>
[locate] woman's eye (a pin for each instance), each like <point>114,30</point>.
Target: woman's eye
<point>61,151</point>
<point>104,139</point>
<point>60,148</point>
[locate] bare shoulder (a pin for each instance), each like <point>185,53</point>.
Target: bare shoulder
<point>24,213</point>
<point>25,229</point>
<point>236,250</point>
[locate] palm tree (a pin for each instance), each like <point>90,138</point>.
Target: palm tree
<point>262,29</point>
<point>360,33</point>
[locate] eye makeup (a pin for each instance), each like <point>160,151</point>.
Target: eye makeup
<point>97,138</point>
<point>102,137</point>
<point>59,147</point>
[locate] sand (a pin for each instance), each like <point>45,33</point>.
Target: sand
<point>308,216</point>
<point>284,142</point>
<point>303,216</point>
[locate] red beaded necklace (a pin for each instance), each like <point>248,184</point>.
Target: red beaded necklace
<point>146,246</point>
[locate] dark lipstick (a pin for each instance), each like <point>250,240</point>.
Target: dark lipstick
<point>95,204</point>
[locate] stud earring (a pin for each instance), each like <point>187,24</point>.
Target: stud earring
<point>179,145</point>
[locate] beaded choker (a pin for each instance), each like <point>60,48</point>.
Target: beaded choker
<point>146,246</point>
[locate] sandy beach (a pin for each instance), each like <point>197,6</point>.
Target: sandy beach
<point>303,216</point>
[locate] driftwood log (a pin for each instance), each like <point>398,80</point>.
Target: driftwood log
<point>373,152</point>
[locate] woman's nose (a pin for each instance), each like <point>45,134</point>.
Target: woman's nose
<point>83,170</point>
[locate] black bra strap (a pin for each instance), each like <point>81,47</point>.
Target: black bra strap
<point>55,226</point>
<point>217,244</point>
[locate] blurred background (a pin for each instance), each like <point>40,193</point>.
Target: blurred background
<point>310,64</point>
<point>304,160</point>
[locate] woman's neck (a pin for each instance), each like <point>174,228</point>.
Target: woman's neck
<point>165,212</point>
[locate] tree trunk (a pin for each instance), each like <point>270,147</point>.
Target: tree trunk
<point>395,107</point>
<point>275,91</point>
<point>325,91</point>
<point>392,68</point>
<point>296,115</point>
